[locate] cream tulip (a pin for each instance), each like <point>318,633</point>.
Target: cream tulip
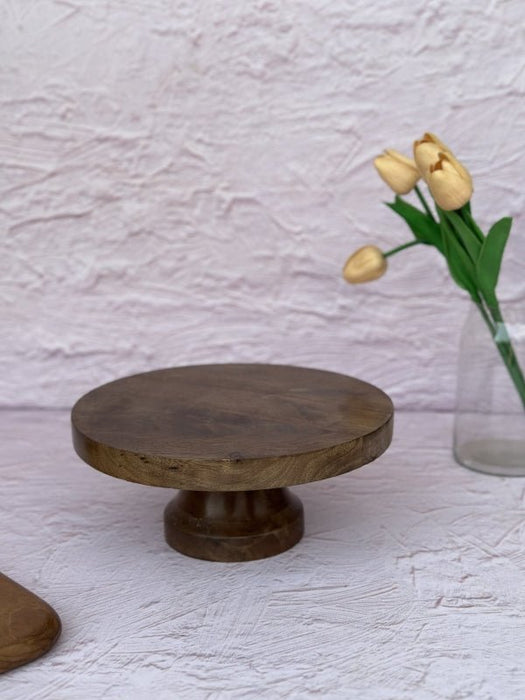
<point>429,137</point>
<point>366,264</point>
<point>449,182</point>
<point>426,153</point>
<point>399,172</point>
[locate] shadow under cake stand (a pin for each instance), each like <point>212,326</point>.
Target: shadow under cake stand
<point>232,437</point>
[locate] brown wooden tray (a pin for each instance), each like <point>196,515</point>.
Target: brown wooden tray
<point>28,625</point>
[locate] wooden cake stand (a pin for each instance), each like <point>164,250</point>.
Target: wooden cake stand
<point>232,437</point>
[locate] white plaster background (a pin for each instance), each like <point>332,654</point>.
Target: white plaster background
<point>181,182</point>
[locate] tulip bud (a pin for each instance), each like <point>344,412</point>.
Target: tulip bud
<point>399,172</point>
<point>366,264</point>
<point>449,182</point>
<point>426,153</point>
<point>429,137</point>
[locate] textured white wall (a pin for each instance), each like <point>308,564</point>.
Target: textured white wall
<point>182,182</point>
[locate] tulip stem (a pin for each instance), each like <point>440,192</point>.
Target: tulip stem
<point>424,203</point>
<point>496,324</point>
<point>465,213</point>
<point>400,247</point>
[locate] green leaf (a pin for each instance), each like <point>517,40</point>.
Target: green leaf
<point>489,261</point>
<point>461,267</point>
<point>422,226</point>
<point>468,238</point>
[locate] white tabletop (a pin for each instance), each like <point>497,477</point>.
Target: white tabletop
<point>409,582</point>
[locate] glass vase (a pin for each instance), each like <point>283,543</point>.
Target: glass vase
<point>489,429</point>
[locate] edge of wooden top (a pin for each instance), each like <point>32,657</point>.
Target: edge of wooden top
<point>239,474</point>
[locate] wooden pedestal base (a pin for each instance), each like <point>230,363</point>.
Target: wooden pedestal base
<point>233,525</point>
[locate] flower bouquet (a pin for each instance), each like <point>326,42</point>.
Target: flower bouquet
<point>473,258</point>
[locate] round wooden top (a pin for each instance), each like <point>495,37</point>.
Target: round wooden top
<point>231,427</point>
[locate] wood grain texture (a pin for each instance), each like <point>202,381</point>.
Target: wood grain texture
<point>28,625</point>
<point>231,427</point>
